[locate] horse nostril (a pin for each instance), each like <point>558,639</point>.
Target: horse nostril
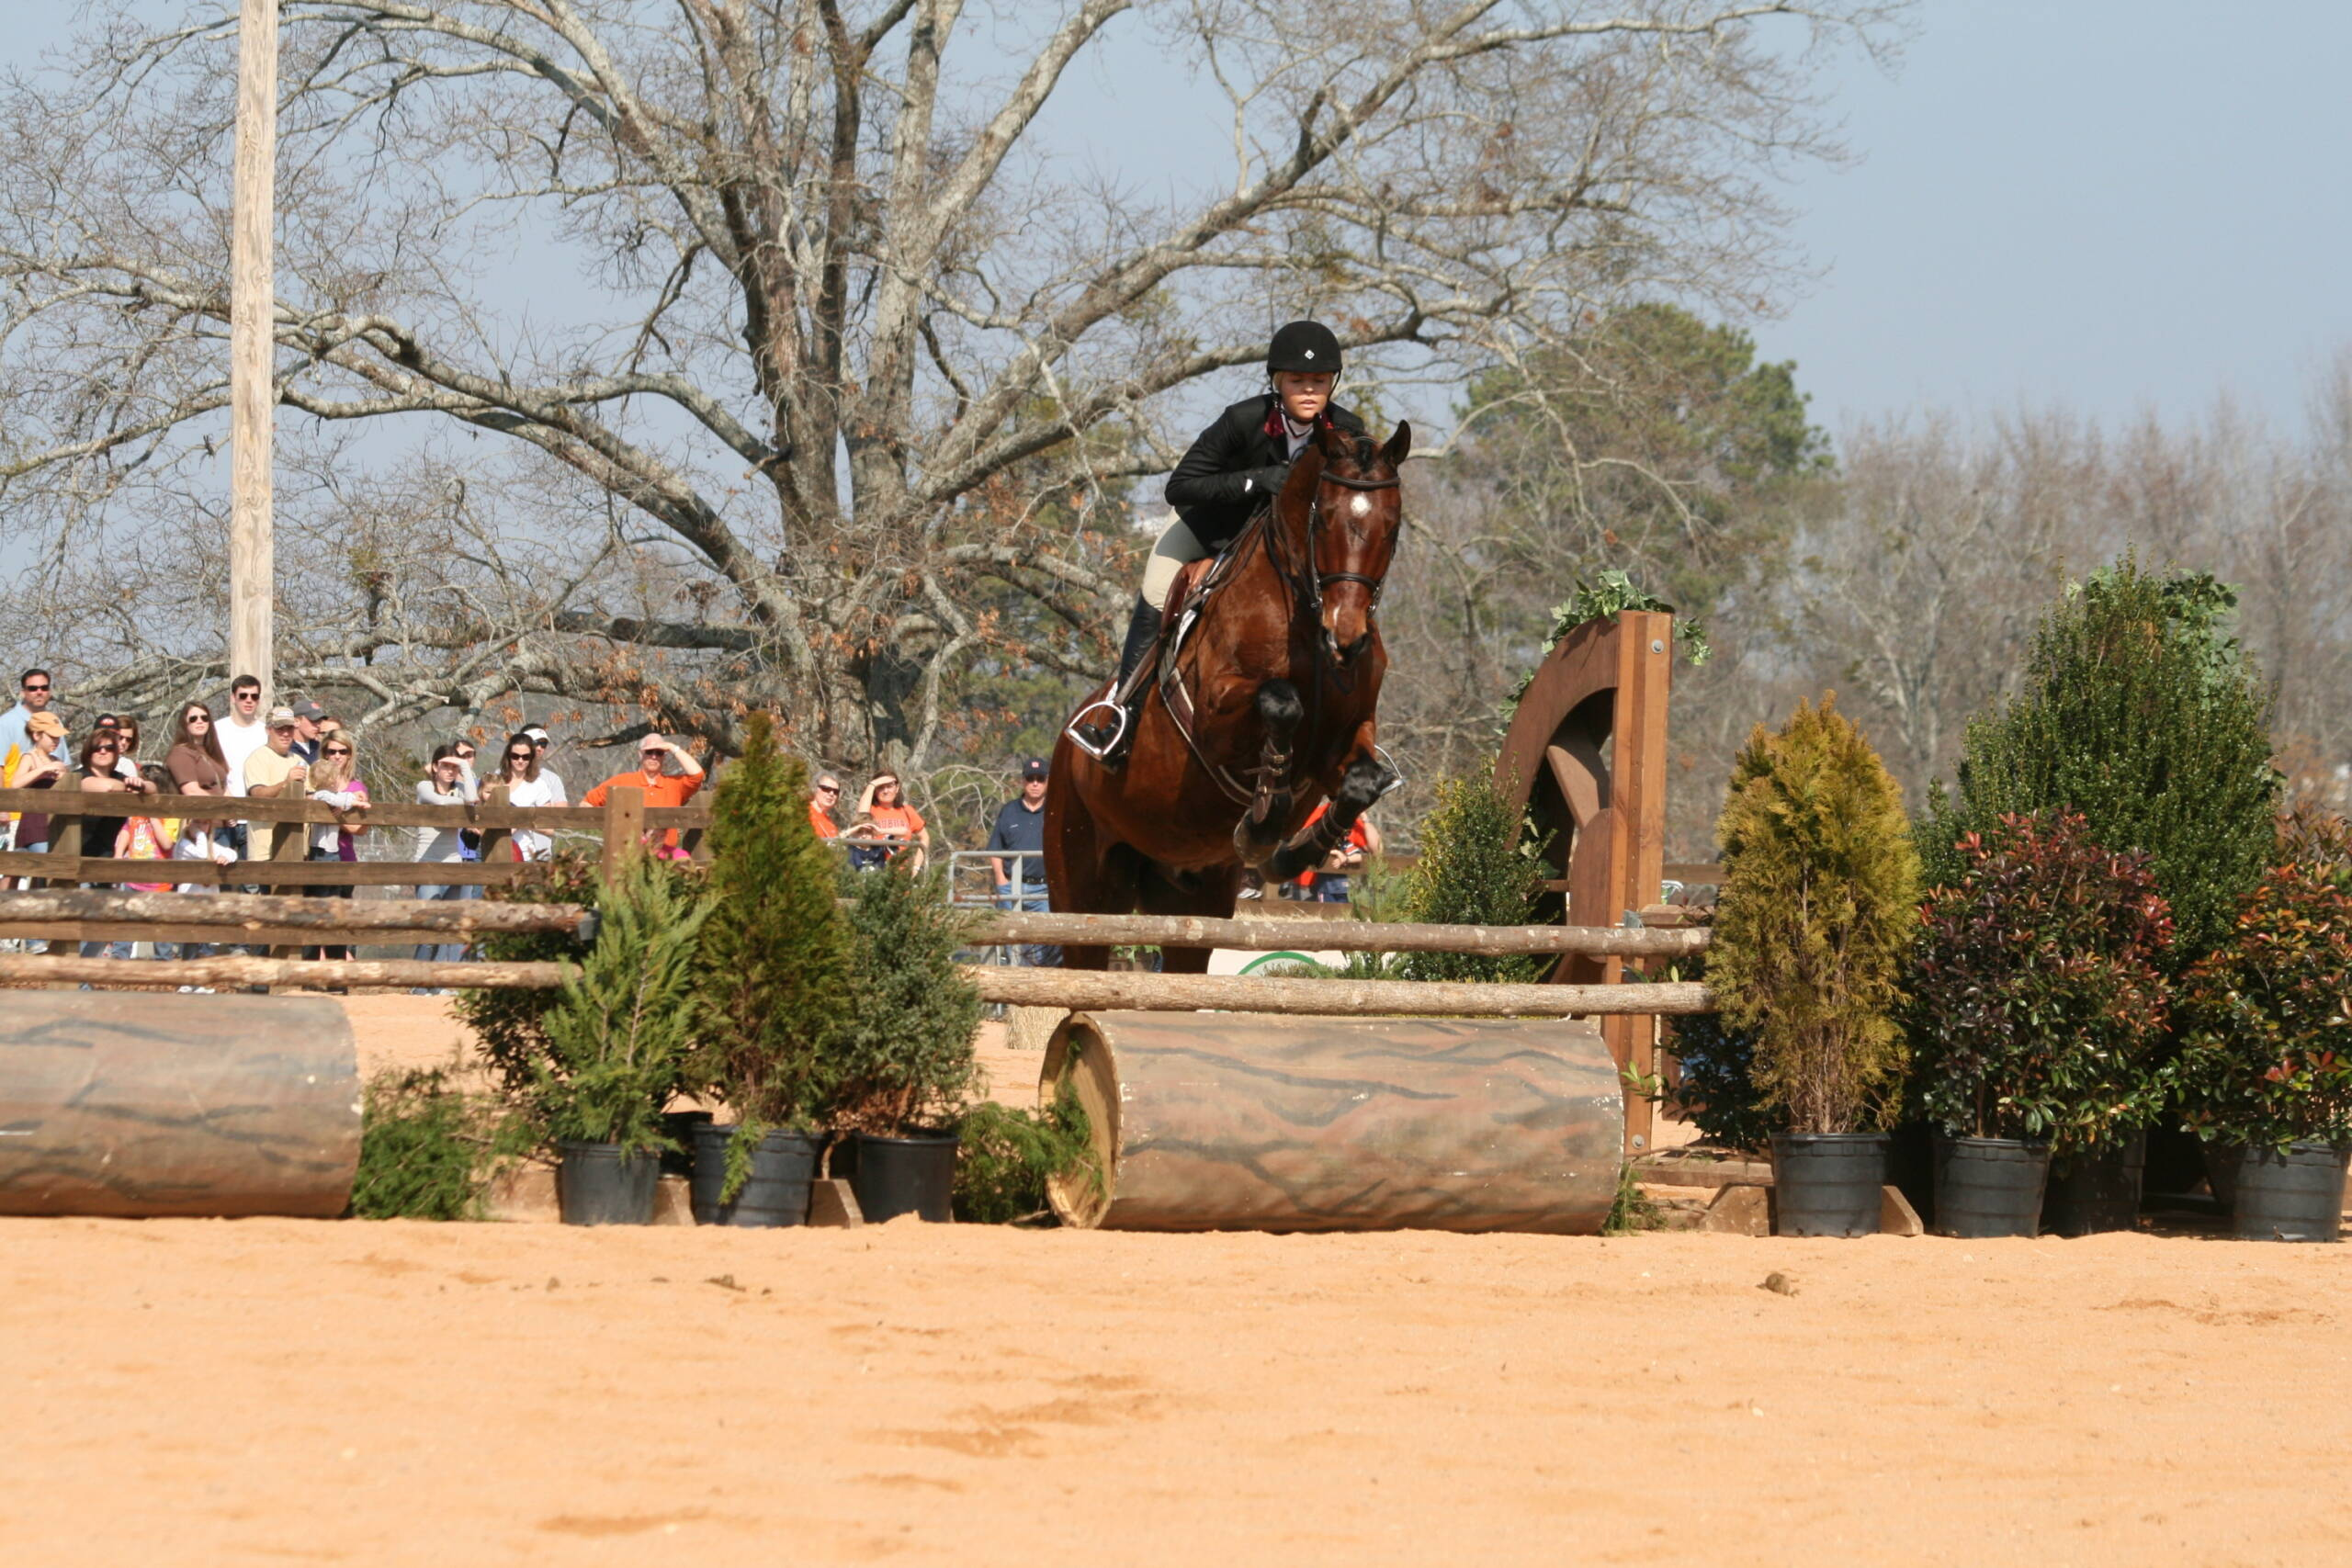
<point>1355,650</point>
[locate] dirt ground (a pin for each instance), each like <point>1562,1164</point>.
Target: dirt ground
<point>243,1392</point>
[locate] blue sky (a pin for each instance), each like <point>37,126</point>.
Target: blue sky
<point>2109,205</point>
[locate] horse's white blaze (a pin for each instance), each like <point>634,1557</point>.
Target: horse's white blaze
<point>1360,506</point>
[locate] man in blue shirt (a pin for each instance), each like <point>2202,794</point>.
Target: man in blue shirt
<point>1016,851</point>
<point>35,684</point>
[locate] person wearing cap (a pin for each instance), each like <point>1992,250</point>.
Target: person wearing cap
<point>1019,838</point>
<point>39,765</point>
<point>309,718</point>
<point>278,770</point>
<point>1234,468</point>
<point>662,788</point>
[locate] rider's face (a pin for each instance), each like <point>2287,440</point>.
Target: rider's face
<point>1304,395</point>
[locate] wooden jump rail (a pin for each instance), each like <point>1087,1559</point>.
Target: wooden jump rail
<point>1340,936</point>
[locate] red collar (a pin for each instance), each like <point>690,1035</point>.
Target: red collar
<point>1275,420</point>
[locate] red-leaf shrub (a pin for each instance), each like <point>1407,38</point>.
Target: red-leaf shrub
<point>2037,1003</point>
<point>2267,1020</point>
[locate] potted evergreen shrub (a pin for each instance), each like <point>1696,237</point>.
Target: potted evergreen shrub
<point>2138,709</point>
<point>2036,1009</point>
<point>615,1038</point>
<point>903,1066</point>
<point>2265,1075</point>
<point>1813,925</point>
<point>774,989</point>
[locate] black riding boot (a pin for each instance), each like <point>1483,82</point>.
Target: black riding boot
<point>1143,630</point>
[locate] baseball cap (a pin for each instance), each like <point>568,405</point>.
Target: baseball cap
<point>43,724</point>
<point>307,709</point>
<point>534,732</point>
<point>1034,768</point>
<point>278,717</point>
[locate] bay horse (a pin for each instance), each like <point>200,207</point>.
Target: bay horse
<point>1282,670</point>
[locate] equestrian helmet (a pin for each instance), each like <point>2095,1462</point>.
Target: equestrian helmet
<point>1308,347</point>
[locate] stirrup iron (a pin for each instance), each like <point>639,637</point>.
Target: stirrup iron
<point>1103,752</point>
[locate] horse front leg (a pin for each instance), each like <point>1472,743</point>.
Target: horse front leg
<point>1260,829</point>
<point>1366,780</point>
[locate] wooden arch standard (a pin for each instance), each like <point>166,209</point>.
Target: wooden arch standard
<point>1585,757</point>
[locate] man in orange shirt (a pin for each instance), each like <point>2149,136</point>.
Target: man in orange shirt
<point>662,788</point>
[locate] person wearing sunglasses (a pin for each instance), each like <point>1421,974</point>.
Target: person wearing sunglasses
<point>334,781</point>
<point>527,784</point>
<point>662,788</point>
<point>538,735</point>
<point>196,766</point>
<point>824,796</point>
<point>100,765</point>
<point>15,740</point>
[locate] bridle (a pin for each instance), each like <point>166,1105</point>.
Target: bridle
<point>1308,585</point>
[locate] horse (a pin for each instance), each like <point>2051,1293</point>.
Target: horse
<point>1281,670</point>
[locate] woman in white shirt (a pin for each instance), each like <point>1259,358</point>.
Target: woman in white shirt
<point>529,784</point>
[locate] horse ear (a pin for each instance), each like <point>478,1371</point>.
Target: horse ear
<point>1400,445</point>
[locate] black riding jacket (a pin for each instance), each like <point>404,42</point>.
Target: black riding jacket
<point>1240,460</point>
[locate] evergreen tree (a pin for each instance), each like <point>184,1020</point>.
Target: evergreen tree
<point>775,962</point>
<point>1818,909</point>
<point>2141,714</point>
<point>1472,872</point>
<point>904,1060</point>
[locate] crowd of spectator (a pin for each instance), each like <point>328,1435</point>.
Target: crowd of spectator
<point>301,751</point>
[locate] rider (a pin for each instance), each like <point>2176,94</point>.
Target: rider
<point>1234,466</point>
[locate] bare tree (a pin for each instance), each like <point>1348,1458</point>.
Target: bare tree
<point>860,352</point>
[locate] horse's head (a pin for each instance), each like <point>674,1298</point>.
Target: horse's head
<point>1342,507</point>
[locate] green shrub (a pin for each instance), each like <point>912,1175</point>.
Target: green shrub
<point>2138,711</point>
<point>1475,869</point>
<point>621,1027</point>
<point>427,1151</point>
<point>1007,1156</point>
<point>2267,1019</point>
<point>508,1021</point>
<point>1817,911</point>
<point>2037,1005</point>
<point>1717,1091</point>
<point>903,1063</point>
<point>774,969</point>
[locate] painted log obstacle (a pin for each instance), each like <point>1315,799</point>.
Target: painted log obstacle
<point>1333,1123</point>
<point>142,1106</point>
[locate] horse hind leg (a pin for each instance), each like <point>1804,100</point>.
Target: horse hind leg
<point>1365,781</point>
<point>1260,829</point>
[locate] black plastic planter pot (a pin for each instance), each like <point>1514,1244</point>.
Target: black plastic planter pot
<point>680,1125</point>
<point>906,1176</point>
<point>2092,1192</point>
<point>777,1192</point>
<point>595,1184</point>
<point>2297,1196</point>
<point>1827,1183</point>
<point>1989,1187</point>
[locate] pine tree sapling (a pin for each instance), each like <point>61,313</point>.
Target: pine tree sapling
<point>622,1025</point>
<point>2037,1003</point>
<point>2139,713</point>
<point>904,1061</point>
<point>1815,920</point>
<point>2267,1019</point>
<point>1475,869</point>
<point>507,1021</point>
<point>427,1150</point>
<point>775,984</point>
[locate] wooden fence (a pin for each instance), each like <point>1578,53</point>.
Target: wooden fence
<point>280,839</point>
